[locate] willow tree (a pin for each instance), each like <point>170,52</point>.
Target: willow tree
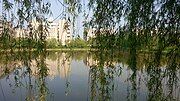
<point>72,9</point>
<point>148,25</point>
<point>144,19</point>
<point>20,13</point>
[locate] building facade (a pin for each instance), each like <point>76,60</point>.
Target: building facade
<point>60,31</point>
<point>6,25</point>
<point>89,33</point>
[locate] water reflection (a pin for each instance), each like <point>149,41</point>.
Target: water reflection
<point>100,75</point>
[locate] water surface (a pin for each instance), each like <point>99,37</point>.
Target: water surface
<point>88,76</point>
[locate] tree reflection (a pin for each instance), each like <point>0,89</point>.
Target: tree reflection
<point>19,66</point>
<point>163,83</point>
<point>64,69</point>
<point>102,76</point>
<point>153,77</point>
<point>133,78</point>
<point>42,73</point>
<point>158,73</point>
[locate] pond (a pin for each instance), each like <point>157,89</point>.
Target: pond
<point>88,76</point>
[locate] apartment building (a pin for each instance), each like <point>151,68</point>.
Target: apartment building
<point>53,31</point>
<point>60,30</point>
<point>6,24</point>
<point>20,33</point>
<point>89,33</point>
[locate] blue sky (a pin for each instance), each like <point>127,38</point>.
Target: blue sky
<point>0,7</point>
<point>56,9</point>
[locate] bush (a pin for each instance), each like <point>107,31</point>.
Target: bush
<point>77,43</point>
<point>24,43</point>
<point>53,43</point>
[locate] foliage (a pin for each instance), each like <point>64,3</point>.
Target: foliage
<point>73,6</point>
<point>25,43</point>
<point>148,24</point>
<point>151,24</point>
<point>53,43</point>
<point>22,12</point>
<point>77,43</point>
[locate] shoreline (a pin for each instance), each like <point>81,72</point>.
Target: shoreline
<point>80,49</point>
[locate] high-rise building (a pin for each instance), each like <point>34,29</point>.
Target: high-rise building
<point>60,31</point>
<point>64,31</point>
<point>7,25</point>
<point>20,33</point>
<point>89,33</point>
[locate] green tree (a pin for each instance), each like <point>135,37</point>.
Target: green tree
<point>77,43</point>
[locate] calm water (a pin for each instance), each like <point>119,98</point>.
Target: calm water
<point>88,76</point>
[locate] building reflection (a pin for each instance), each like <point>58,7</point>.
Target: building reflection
<point>90,61</point>
<point>149,75</point>
<point>36,71</point>
<point>157,76</point>
<point>8,67</point>
<point>64,62</point>
<point>58,67</point>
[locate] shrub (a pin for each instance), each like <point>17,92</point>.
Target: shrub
<point>77,43</point>
<point>53,43</point>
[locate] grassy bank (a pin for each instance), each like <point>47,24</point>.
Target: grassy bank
<point>70,49</point>
<point>55,49</point>
<point>84,49</point>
